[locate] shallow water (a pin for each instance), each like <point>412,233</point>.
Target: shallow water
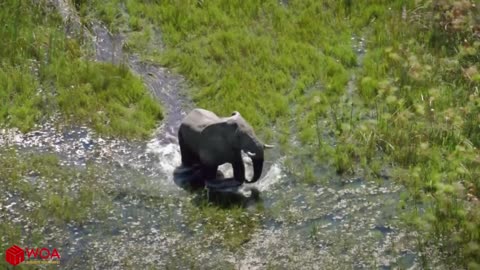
<point>340,223</point>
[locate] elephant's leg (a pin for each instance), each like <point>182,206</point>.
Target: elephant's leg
<point>189,158</point>
<point>202,175</point>
<point>197,181</point>
<point>238,168</point>
<point>210,172</point>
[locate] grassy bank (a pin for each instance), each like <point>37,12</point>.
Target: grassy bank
<point>43,72</point>
<point>414,115</point>
<point>256,57</point>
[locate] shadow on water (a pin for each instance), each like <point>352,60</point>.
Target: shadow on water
<point>189,179</point>
<point>222,192</point>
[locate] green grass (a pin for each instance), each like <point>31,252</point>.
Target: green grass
<point>230,227</point>
<point>43,72</point>
<point>109,98</point>
<point>420,107</point>
<point>242,55</point>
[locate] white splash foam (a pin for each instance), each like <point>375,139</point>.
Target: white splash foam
<point>169,155</point>
<point>170,158</point>
<point>273,176</point>
<point>227,168</point>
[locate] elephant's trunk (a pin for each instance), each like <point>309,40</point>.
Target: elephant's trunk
<point>257,169</point>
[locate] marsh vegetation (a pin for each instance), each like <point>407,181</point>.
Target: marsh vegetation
<point>375,106</point>
<point>43,72</point>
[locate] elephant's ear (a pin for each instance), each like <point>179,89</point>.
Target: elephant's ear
<point>224,131</point>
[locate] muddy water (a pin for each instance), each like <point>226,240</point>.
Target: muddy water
<point>340,223</point>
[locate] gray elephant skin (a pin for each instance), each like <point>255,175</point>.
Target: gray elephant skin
<point>208,141</point>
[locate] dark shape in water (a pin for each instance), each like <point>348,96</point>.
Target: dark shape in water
<point>383,229</point>
<point>189,178</point>
<point>229,197</point>
<point>221,191</point>
<point>223,184</point>
<point>193,178</point>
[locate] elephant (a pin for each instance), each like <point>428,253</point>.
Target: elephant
<point>210,141</point>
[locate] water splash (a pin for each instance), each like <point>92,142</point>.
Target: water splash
<point>274,175</point>
<point>168,156</point>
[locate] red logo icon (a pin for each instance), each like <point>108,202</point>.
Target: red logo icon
<point>14,255</point>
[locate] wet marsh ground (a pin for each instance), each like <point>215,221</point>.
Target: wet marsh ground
<point>138,217</point>
<point>325,203</point>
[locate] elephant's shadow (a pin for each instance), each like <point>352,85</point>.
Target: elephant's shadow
<point>221,191</point>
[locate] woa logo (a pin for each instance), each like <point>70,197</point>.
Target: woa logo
<point>15,255</point>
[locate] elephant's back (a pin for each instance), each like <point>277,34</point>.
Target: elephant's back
<point>198,119</point>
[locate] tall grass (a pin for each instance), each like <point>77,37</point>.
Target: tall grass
<point>420,79</point>
<point>256,57</point>
<point>42,71</point>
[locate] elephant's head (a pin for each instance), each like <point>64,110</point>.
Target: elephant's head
<point>250,144</point>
